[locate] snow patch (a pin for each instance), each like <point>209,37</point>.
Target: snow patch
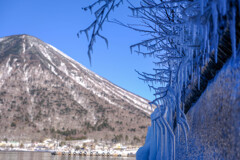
<point>2,39</point>
<point>52,68</point>
<point>63,68</point>
<point>24,47</point>
<point>69,58</point>
<point>45,53</point>
<point>9,68</point>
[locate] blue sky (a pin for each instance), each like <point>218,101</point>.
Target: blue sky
<point>57,22</point>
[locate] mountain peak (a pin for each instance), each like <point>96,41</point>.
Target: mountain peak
<point>18,36</point>
<point>53,94</point>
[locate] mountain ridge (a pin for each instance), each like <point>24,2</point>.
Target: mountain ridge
<point>63,54</point>
<point>44,76</point>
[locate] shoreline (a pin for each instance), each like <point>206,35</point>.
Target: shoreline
<point>83,154</point>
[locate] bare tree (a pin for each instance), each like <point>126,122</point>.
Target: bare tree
<point>181,35</point>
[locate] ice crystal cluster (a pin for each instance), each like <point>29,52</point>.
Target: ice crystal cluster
<point>181,35</point>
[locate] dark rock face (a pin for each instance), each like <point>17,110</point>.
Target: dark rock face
<point>209,71</point>
<point>215,119</point>
<point>44,93</point>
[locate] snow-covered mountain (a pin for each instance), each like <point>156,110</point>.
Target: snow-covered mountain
<point>46,93</point>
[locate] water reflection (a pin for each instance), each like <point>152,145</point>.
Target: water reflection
<point>86,158</point>
<point>47,156</point>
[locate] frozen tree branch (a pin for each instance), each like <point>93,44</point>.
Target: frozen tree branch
<point>180,35</point>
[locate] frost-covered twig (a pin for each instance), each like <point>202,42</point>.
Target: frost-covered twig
<point>102,12</point>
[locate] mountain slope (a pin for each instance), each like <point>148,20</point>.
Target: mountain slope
<point>44,93</point>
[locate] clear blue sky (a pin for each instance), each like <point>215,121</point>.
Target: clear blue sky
<point>57,23</point>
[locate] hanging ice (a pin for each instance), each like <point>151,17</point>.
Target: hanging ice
<point>182,36</point>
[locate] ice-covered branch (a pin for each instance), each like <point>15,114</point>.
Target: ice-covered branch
<point>181,35</point>
<point>102,11</point>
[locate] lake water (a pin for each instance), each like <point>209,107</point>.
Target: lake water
<point>47,156</point>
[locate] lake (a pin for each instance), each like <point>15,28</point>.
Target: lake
<point>5,155</point>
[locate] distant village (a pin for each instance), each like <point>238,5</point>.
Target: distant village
<point>75,147</point>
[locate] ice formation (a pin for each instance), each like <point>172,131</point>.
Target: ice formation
<point>184,34</point>
<point>181,35</point>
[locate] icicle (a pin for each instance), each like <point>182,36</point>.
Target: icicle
<point>165,142</point>
<point>202,6</point>
<point>199,75</point>
<point>205,38</point>
<point>233,31</point>
<point>208,50</point>
<point>214,15</point>
<point>192,62</point>
<point>224,6</point>
<point>162,140</point>
<point>239,7</point>
<point>216,49</point>
<point>185,76</point>
<point>194,33</point>
<point>157,139</point>
<point>203,58</point>
<point>215,27</point>
<point>182,82</point>
<point>178,132</point>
